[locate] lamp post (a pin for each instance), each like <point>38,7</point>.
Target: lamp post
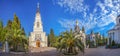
<point>6,46</point>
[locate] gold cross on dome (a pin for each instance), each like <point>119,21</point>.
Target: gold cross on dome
<point>77,22</point>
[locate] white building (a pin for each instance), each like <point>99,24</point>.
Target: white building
<point>114,34</point>
<point>92,37</point>
<point>38,38</point>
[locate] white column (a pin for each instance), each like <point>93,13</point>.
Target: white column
<point>108,39</point>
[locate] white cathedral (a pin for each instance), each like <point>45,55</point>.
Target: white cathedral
<point>38,38</point>
<point>114,34</point>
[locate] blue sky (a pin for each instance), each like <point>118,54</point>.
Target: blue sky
<point>97,15</point>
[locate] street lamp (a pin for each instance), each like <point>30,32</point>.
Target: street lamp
<point>6,46</point>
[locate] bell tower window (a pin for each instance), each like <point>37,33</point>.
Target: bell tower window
<point>37,24</point>
<point>37,37</point>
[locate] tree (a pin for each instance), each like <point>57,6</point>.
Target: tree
<point>18,34</point>
<point>9,24</point>
<point>113,43</point>
<point>48,40</point>
<point>1,30</point>
<point>14,33</point>
<point>103,39</point>
<point>68,44</point>
<point>51,38</point>
<point>8,30</point>
<point>83,29</point>
<point>23,31</point>
<point>3,34</point>
<point>1,24</point>
<point>16,22</point>
<point>1,27</point>
<point>92,32</point>
<point>110,41</point>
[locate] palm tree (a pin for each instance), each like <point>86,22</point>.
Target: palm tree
<point>18,38</point>
<point>1,31</point>
<point>17,34</point>
<point>14,33</point>
<point>3,34</point>
<point>68,44</point>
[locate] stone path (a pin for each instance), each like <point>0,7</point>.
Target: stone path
<point>52,52</point>
<point>102,52</point>
<point>48,51</point>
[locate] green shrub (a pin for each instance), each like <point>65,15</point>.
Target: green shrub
<point>113,43</point>
<point>118,45</point>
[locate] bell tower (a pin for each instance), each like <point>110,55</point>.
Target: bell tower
<point>38,22</point>
<point>38,37</point>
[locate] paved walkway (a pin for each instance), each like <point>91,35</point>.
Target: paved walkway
<point>102,52</point>
<point>48,51</point>
<point>52,52</point>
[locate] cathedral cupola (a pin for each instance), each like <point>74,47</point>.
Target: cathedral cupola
<point>77,29</point>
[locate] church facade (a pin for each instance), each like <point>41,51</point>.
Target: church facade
<point>114,34</point>
<point>38,38</point>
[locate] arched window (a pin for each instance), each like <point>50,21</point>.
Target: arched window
<point>37,37</point>
<point>37,24</point>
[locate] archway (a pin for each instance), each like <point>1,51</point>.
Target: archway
<point>38,43</point>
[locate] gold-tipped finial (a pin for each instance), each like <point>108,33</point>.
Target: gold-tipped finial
<point>77,22</point>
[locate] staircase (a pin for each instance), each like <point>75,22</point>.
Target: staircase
<point>41,49</point>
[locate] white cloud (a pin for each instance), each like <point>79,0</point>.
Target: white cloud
<point>73,6</point>
<point>67,23</point>
<point>103,13</point>
<point>110,10</point>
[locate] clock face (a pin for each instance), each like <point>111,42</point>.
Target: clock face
<point>38,37</point>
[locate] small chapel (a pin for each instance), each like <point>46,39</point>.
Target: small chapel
<point>38,37</point>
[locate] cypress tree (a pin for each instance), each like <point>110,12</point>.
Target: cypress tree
<point>92,32</point>
<point>83,29</point>
<point>23,31</point>
<point>1,30</point>
<point>51,36</point>
<point>1,24</point>
<point>9,24</point>
<point>48,40</point>
<point>16,22</point>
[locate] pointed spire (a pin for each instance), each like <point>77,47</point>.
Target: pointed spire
<point>38,6</point>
